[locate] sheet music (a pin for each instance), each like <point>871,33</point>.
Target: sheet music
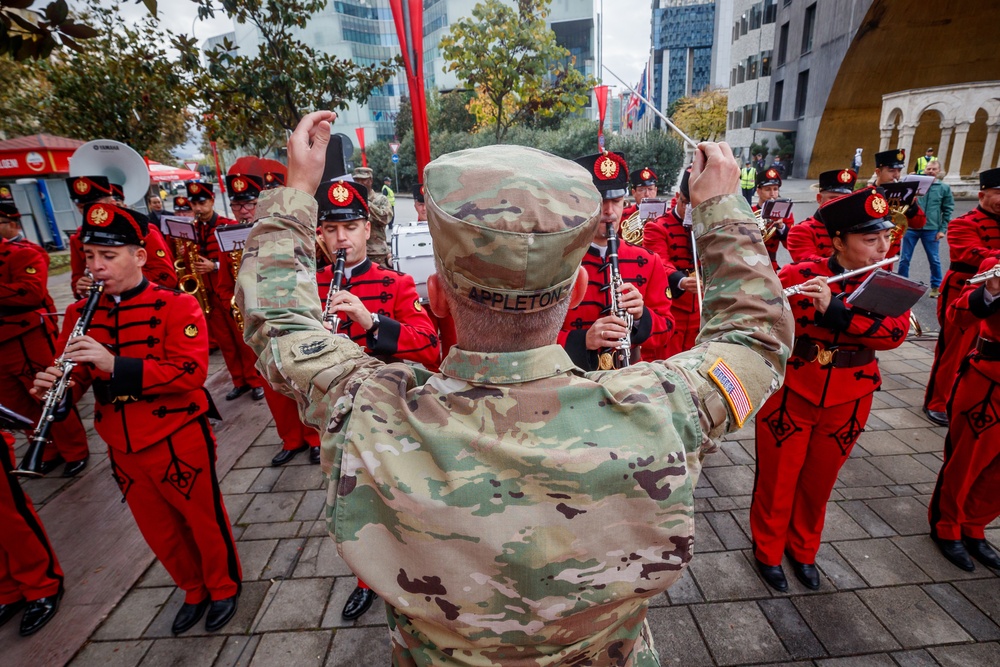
<point>925,183</point>
<point>776,209</point>
<point>887,294</point>
<point>652,208</point>
<point>232,237</point>
<point>902,193</point>
<point>180,228</point>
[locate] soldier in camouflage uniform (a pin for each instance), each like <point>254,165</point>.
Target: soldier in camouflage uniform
<point>513,509</point>
<point>380,217</point>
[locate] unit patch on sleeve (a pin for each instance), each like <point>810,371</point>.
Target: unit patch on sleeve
<point>732,389</point>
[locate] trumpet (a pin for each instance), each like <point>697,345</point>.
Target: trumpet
<point>988,274</point>
<point>797,289</point>
<point>621,355</point>
<point>338,280</point>
<point>31,464</point>
<point>189,281</point>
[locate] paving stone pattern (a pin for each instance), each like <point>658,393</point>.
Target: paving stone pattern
<point>887,598</point>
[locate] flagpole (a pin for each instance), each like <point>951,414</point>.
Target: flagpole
<point>688,140</point>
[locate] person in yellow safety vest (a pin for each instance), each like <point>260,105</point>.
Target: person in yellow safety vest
<point>924,159</point>
<point>387,191</point>
<point>748,181</point>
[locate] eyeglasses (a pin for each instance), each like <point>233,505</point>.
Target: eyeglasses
<point>243,205</point>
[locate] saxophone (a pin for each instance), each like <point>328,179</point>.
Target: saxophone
<point>235,257</point>
<point>31,464</point>
<point>619,356</point>
<point>189,281</point>
<point>330,317</point>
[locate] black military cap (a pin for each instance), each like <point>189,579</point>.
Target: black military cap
<point>989,179</point>
<point>340,201</point>
<point>118,192</point>
<point>838,180</point>
<point>862,212</point>
<point>685,186</point>
<point>273,179</point>
<point>609,171</point>
<point>244,187</point>
<point>418,192</point>
<point>641,177</point>
<point>894,159</point>
<point>113,225</point>
<point>181,203</point>
<point>768,177</point>
<point>85,189</point>
<point>199,191</point>
<point>8,208</point>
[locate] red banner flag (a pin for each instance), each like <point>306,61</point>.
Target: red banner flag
<point>408,15</point>
<point>601,93</point>
<point>361,142</point>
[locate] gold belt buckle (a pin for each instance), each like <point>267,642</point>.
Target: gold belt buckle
<point>824,356</point>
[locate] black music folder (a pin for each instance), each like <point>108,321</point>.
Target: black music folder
<point>887,294</point>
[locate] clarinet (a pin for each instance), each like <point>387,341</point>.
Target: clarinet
<point>621,355</point>
<point>338,279</point>
<point>31,464</point>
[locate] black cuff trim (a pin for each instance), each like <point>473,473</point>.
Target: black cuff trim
<point>674,279</point>
<point>837,316</point>
<point>643,328</point>
<point>977,303</point>
<point>576,348</point>
<point>126,380</point>
<point>388,336</point>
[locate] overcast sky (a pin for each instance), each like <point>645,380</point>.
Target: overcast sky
<point>626,32</point>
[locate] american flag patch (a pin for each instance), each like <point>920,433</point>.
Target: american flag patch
<point>732,389</point>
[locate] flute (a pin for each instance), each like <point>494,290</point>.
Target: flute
<point>984,276</point>
<point>796,289</point>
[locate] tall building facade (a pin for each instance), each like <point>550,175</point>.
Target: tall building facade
<point>751,37</point>
<point>363,31</point>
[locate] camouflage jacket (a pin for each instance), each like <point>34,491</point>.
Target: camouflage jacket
<point>380,215</point>
<point>513,509</point>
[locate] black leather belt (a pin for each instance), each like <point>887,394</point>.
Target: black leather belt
<point>962,267</point>
<point>988,349</point>
<point>837,357</point>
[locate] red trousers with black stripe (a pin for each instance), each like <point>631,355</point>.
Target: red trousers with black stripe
<point>967,495</point>
<point>29,569</point>
<point>20,359</point>
<point>174,496</point>
<point>800,450</point>
<point>291,430</point>
<point>239,358</point>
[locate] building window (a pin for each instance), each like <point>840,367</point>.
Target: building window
<point>808,27</point>
<point>779,92</point>
<point>748,118</point>
<point>741,73</point>
<point>801,92</point>
<point>743,24</point>
<point>755,16</point>
<point>761,111</point>
<point>770,11</point>
<point>787,2</point>
<point>782,44</point>
<point>752,68</point>
<point>736,31</point>
<point>732,77</point>
<point>765,63</point>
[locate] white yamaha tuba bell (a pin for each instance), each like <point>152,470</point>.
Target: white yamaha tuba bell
<point>115,161</point>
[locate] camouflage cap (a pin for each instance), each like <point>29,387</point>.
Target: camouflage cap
<point>510,224</point>
<point>363,172</point>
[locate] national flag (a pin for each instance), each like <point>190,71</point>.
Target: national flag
<point>643,87</point>
<point>732,389</point>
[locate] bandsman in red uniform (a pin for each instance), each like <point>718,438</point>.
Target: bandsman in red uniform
<point>967,495</point>
<point>809,238</point>
<point>806,431</point>
<point>591,327</point>
<point>644,183</point>
<point>30,576</point>
<point>148,375</point>
<point>972,238</point>
<point>223,327</point>
<point>379,308</point>
<point>182,207</point>
<point>273,179</point>
<point>295,436</point>
<point>28,332</point>
<point>768,188</point>
<point>85,190</point>
<point>670,238</point>
<point>889,166</point>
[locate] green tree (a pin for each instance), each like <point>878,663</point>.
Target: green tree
<point>661,151</point>
<point>29,32</point>
<point>759,148</point>
<point>786,145</point>
<point>404,119</point>
<point>252,100</point>
<point>510,59</point>
<point>702,116</point>
<point>450,111</point>
<point>24,97</point>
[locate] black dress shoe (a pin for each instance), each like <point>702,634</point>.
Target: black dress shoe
<point>982,551</point>
<point>955,552</point>
<point>286,455</point>
<point>773,575</point>
<point>9,610</point>
<point>220,612</point>
<point>49,466</point>
<point>39,612</point>
<point>314,455</point>
<point>806,573</point>
<point>74,468</point>
<point>188,615</point>
<point>939,418</point>
<point>236,392</point>
<point>358,603</point>
<point>257,394</point>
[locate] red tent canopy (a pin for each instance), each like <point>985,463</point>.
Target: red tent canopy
<point>35,156</point>
<point>164,173</point>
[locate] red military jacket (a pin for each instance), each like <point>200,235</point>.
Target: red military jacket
<point>24,292</point>
<point>161,343</point>
<point>628,211</point>
<point>670,240</point>
<point>809,240</point>
<point>644,270</point>
<point>777,238</point>
<point>969,309</point>
<point>972,238</point>
<point>405,331</point>
<point>840,327</point>
<point>159,267</point>
<point>208,246</point>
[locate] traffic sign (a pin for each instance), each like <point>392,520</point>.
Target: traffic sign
<point>193,166</point>
<point>394,147</point>
<point>395,158</point>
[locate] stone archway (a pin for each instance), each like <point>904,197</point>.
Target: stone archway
<point>928,134</point>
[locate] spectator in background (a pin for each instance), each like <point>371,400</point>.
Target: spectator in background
<point>856,162</point>
<point>936,206</point>
<point>748,181</point>
<point>924,160</point>
<point>759,161</point>
<point>155,210</point>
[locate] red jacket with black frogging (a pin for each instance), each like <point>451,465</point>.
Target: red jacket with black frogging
<point>405,331</point>
<point>809,240</point>
<point>670,240</point>
<point>841,326</point>
<point>777,238</point>
<point>24,293</point>
<point>643,269</point>
<point>970,309</point>
<point>161,343</point>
